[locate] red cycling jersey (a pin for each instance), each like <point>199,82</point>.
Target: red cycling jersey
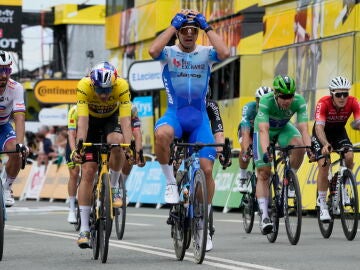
<point>326,114</point>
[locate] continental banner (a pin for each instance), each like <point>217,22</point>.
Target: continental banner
<point>56,91</point>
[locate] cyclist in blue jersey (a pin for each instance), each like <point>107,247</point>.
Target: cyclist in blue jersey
<point>245,134</point>
<point>186,71</point>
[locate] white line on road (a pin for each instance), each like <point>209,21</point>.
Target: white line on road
<point>209,260</point>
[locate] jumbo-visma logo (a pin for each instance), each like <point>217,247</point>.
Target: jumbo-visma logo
<point>56,91</point>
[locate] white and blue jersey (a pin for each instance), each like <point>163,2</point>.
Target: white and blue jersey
<point>11,101</point>
<point>186,78</point>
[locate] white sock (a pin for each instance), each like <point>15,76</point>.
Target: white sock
<point>209,209</point>
<point>243,173</point>
<point>322,198</point>
<point>169,174</point>
<point>114,177</point>
<point>85,215</point>
<point>72,203</point>
<point>263,205</point>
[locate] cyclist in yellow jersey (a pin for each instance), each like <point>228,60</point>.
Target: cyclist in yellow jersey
<point>103,102</point>
<point>73,169</point>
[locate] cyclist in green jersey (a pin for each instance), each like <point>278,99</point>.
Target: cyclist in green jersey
<point>245,134</point>
<point>272,122</point>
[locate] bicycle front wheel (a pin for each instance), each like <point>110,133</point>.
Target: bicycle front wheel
<point>200,218</point>
<point>349,205</point>
<point>120,213</point>
<point>77,225</point>
<point>273,211</point>
<point>105,225</point>
<point>292,207</point>
<point>179,231</point>
<point>2,220</point>
<point>94,229</point>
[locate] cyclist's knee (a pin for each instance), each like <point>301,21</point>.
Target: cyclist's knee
<point>264,173</point>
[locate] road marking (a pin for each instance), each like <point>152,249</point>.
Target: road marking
<point>163,252</point>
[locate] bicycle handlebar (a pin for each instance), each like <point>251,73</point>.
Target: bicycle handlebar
<point>19,149</point>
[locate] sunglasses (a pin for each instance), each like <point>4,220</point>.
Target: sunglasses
<point>189,30</point>
<point>286,96</point>
<point>101,91</point>
<point>341,94</point>
<point>5,70</point>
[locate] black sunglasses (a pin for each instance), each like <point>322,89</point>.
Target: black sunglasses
<point>286,96</point>
<point>341,94</point>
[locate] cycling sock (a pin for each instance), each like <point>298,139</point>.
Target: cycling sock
<point>72,203</point>
<point>169,174</point>
<point>243,173</point>
<point>209,209</point>
<point>84,215</point>
<point>322,198</point>
<point>114,177</point>
<point>263,205</point>
<point>9,181</point>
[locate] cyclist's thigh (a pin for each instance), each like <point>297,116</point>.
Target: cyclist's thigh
<point>203,134</point>
<point>289,134</point>
<point>258,153</point>
<point>338,139</point>
<point>170,119</point>
<point>7,134</point>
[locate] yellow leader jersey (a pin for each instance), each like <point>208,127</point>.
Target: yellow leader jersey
<point>88,103</point>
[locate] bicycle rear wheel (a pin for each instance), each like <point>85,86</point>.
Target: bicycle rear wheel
<point>349,205</point>
<point>248,207</point>
<point>105,225</point>
<point>211,223</point>
<point>273,210</point>
<point>2,220</point>
<point>120,213</point>
<point>326,228</point>
<point>292,208</point>
<point>200,218</point>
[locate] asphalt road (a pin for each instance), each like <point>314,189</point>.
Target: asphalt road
<point>37,236</point>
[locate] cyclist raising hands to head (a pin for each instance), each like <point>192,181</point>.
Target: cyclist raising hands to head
<point>272,121</point>
<point>186,70</point>
<point>332,113</point>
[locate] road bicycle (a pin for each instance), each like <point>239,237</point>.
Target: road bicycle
<point>120,213</point>
<point>189,218</point>
<point>342,199</point>
<point>102,214</point>
<point>285,196</point>
<point>248,203</point>
<point>22,151</point>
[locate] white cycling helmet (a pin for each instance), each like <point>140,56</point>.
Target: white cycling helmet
<point>103,75</point>
<point>339,83</point>
<point>262,90</point>
<point>5,58</point>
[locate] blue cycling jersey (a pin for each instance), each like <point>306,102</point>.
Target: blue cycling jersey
<point>186,75</point>
<point>186,78</point>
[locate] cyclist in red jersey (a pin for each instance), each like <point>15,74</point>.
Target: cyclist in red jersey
<point>331,115</point>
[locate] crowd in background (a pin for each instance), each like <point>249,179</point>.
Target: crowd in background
<point>48,144</point>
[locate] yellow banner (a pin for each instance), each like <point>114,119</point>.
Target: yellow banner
<point>288,24</point>
<point>112,31</point>
<point>11,3</point>
<point>71,14</point>
<point>56,91</point>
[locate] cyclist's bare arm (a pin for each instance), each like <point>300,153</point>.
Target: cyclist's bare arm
<point>125,123</point>
<point>83,126</point>
<point>320,133</point>
<point>160,42</point>
<point>72,138</point>
<point>246,139</point>
<point>19,120</point>
<point>303,128</point>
